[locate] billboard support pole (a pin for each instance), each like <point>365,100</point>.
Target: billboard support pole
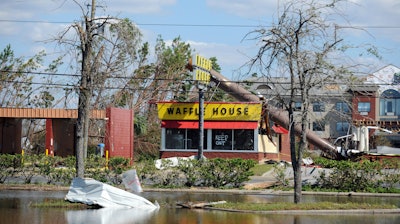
<point>201,123</point>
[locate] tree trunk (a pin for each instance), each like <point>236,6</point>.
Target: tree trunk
<point>297,180</point>
<point>82,124</point>
<point>296,165</point>
<point>83,113</point>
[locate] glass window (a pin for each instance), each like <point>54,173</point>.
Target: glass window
<point>174,138</point>
<point>342,126</point>
<point>396,78</point>
<point>244,139</point>
<point>389,106</point>
<point>318,126</point>
<point>240,139</point>
<point>318,107</point>
<point>297,106</point>
<point>184,139</point>
<point>222,139</point>
<point>194,136</point>
<point>364,106</point>
<point>342,107</point>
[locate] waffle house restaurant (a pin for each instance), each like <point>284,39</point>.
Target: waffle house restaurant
<point>230,130</point>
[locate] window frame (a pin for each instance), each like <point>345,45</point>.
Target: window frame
<point>318,126</point>
<point>234,143</point>
<point>343,125</point>
<point>318,106</point>
<point>170,142</point>
<point>297,106</point>
<point>343,107</point>
<point>185,140</point>
<point>362,107</point>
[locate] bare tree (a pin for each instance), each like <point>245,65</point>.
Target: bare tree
<point>90,55</point>
<point>114,69</point>
<point>301,45</point>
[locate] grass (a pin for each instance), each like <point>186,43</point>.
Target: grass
<point>301,206</point>
<point>260,169</point>
<point>59,203</point>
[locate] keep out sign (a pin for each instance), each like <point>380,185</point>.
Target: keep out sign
<point>221,139</point>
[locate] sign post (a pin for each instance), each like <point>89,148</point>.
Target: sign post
<point>201,73</point>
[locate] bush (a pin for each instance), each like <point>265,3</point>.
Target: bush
<point>361,176</point>
<point>8,165</point>
<point>225,172</point>
<point>216,173</point>
<point>191,171</point>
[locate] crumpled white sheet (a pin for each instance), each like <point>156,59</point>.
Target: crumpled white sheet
<point>92,192</point>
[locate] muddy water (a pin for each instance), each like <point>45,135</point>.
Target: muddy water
<point>14,208</point>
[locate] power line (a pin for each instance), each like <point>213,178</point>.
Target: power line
<point>198,25</point>
<point>32,21</point>
<point>244,82</point>
<point>143,89</point>
<point>140,24</point>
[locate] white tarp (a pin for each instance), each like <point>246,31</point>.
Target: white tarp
<point>92,192</point>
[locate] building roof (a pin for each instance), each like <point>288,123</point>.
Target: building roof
<point>364,88</point>
<point>42,113</point>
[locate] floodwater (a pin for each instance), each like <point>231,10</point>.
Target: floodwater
<point>14,208</point>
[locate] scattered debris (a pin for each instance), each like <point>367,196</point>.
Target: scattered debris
<point>192,205</point>
<point>131,181</point>
<point>171,161</point>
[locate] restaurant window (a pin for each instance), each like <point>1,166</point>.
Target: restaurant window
<point>183,138</point>
<point>237,139</point>
<point>243,139</point>
<point>222,139</point>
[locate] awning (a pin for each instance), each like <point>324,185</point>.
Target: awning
<point>210,124</point>
<point>279,129</point>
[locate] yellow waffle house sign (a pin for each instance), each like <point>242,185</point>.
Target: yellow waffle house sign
<point>212,111</point>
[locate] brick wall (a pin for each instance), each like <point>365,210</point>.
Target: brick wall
<point>364,98</point>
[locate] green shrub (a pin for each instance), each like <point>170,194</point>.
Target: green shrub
<point>226,172</point>
<point>118,164</point>
<point>191,171</point>
<point>9,165</point>
<point>361,176</point>
<point>145,169</point>
<point>95,162</point>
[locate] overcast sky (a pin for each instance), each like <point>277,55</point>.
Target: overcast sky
<point>212,27</point>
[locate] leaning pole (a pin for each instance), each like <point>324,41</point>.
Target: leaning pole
<point>275,114</point>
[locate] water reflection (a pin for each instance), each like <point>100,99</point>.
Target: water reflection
<point>109,215</point>
<point>15,208</point>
